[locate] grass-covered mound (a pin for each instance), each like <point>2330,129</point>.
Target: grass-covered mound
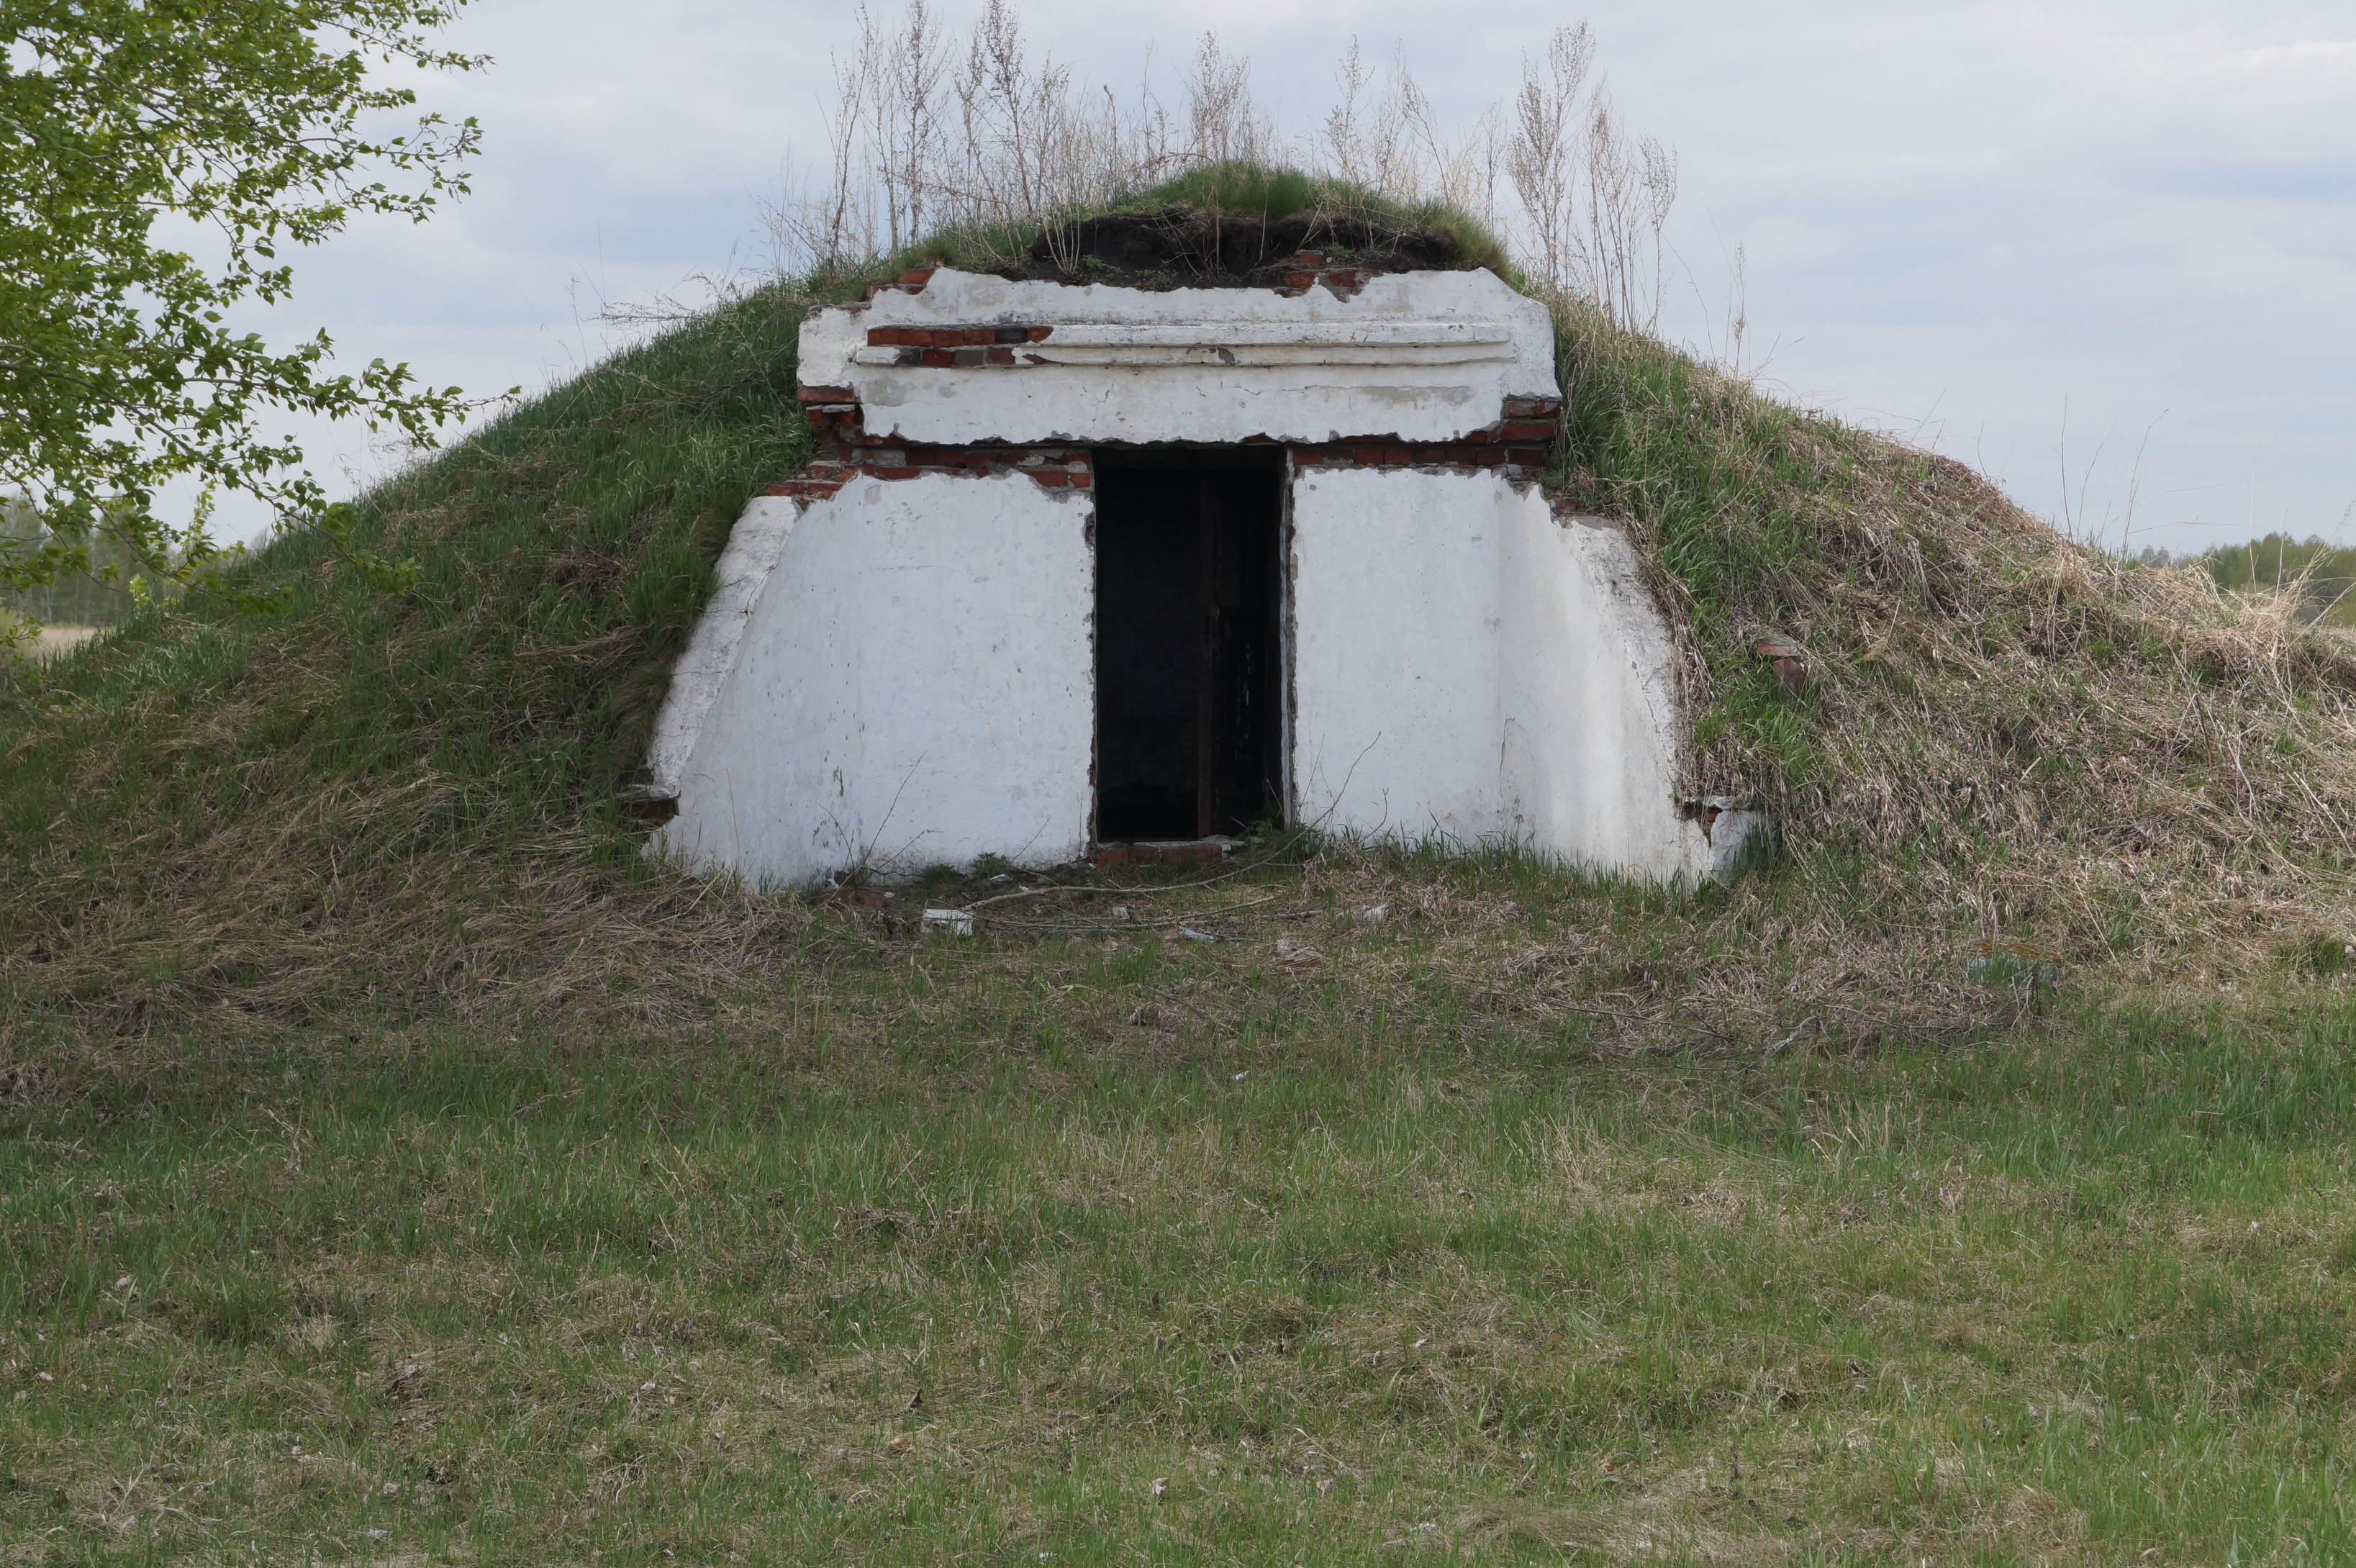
<point>371,803</point>
<point>394,1166</point>
<point>2004,735</point>
<point>2014,757</point>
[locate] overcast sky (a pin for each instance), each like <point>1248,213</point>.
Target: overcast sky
<point>1965,222</point>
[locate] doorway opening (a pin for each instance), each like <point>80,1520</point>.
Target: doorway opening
<point>1190,615</point>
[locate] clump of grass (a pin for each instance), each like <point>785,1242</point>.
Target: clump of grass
<point>1227,222</point>
<point>2320,576</point>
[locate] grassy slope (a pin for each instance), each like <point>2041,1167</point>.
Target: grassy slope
<point>369,797</point>
<point>2005,736</point>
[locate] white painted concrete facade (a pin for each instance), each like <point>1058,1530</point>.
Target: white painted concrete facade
<point>1415,356</point>
<point>1470,667</point>
<point>911,687</point>
<point>902,673</point>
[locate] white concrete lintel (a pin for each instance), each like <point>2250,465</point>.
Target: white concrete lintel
<point>1211,347</point>
<point>1412,357</point>
<point>1278,334</point>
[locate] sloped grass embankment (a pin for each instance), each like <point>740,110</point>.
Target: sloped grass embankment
<point>369,803</point>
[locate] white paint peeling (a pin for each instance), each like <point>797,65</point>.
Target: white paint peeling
<point>1412,356</point>
<point>914,685</point>
<point>1469,669</point>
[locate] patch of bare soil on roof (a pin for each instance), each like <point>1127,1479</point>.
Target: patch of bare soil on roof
<point>1186,247</point>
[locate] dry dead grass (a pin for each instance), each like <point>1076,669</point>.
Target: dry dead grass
<point>53,641</point>
<point>2005,737</point>
<point>2096,740</point>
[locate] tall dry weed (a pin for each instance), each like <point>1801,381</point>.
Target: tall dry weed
<point>976,140</point>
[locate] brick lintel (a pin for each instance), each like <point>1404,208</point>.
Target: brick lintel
<point>1520,441</point>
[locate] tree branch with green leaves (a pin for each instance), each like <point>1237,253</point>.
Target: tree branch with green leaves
<point>256,120</point>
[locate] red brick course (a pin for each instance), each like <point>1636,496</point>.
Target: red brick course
<point>954,336</point>
<point>1308,269</point>
<point>1520,443</point>
<point>846,452</point>
<point>1157,853</point>
<point>1423,455</point>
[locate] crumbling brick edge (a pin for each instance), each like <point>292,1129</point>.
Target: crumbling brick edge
<point>1518,444</point>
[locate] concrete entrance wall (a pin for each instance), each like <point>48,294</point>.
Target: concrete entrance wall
<point>898,667</point>
<point>910,684</point>
<point>1470,667</point>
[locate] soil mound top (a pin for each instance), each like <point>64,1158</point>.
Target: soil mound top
<point>1182,246</point>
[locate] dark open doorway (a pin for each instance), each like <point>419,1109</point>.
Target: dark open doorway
<point>1190,607</point>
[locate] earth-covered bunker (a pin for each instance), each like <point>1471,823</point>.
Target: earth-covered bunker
<point>1081,566</point>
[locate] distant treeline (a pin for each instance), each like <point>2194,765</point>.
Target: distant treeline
<point>80,598</point>
<point>2322,574</point>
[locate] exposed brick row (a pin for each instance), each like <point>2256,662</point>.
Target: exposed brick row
<point>913,280</point>
<point>809,488</point>
<point>1158,854</point>
<point>1308,269</point>
<point>1419,455</point>
<point>1052,467</point>
<point>1519,443</point>
<point>962,358</point>
<point>954,336</point>
<point>841,420</point>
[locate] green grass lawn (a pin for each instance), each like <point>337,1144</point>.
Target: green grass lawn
<point>1060,1246</point>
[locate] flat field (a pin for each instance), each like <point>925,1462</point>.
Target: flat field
<point>54,642</point>
<point>1085,1241</point>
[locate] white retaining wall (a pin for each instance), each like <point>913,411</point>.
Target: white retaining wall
<point>904,676</point>
<point>913,684</point>
<point>1469,668</point>
<point>902,673</point>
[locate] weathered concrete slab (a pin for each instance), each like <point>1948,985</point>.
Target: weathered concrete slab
<point>913,685</point>
<point>1468,667</point>
<point>1414,356</point>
